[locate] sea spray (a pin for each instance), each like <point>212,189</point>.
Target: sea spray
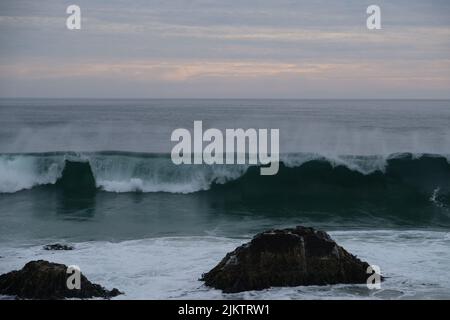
<point>235,152</point>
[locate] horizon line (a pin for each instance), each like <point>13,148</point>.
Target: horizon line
<point>205,98</point>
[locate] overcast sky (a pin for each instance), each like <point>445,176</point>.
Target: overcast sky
<point>225,49</point>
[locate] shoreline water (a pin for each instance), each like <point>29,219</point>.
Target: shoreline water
<point>151,230</point>
<point>414,263</point>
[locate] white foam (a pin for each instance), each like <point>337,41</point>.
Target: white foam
<point>131,174</point>
<point>365,165</point>
<point>24,172</point>
<point>414,262</point>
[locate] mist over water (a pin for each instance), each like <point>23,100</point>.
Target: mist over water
<point>98,173</point>
<point>340,159</point>
<point>327,127</point>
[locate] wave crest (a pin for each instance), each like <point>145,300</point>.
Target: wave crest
<point>137,172</point>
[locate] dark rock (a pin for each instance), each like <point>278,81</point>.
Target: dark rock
<point>58,246</point>
<point>46,280</point>
<point>289,257</point>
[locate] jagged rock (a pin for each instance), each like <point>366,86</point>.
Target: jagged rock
<point>58,246</point>
<point>46,280</point>
<point>288,257</point>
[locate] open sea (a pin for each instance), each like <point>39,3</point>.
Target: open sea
<point>375,174</point>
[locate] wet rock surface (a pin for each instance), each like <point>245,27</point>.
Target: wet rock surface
<point>46,280</point>
<point>57,247</point>
<point>287,257</point>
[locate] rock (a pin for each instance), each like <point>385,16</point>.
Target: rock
<point>46,280</point>
<point>288,257</point>
<point>58,246</point>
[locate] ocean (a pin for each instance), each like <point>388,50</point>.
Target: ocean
<point>97,174</point>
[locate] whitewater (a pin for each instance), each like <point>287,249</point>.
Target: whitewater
<point>97,174</point>
<point>169,267</point>
<point>139,172</point>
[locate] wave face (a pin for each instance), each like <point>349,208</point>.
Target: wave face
<point>404,181</point>
<point>395,177</point>
<point>19,172</point>
<point>112,171</point>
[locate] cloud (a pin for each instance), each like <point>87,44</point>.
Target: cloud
<point>422,35</point>
<point>323,43</point>
<point>156,71</point>
<point>179,71</point>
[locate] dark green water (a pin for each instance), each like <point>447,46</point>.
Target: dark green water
<point>375,174</point>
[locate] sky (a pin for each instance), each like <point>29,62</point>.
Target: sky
<point>225,49</point>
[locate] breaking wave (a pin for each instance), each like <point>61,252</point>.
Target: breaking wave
<point>300,174</point>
